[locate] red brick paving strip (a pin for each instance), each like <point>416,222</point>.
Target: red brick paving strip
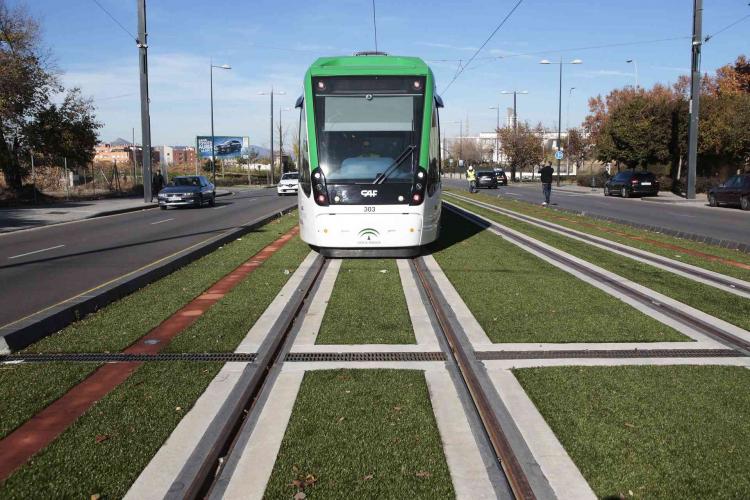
<point>44,427</point>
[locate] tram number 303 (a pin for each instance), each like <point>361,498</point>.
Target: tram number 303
<point>369,209</point>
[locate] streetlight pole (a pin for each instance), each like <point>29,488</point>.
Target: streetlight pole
<point>213,146</point>
<point>567,128</point>
<point>142,44</point>
<point>695,94</point>
<point>635,67</point>
<point>559,109</point>
<point>271,93</point>
<point>515,120</point>
<point>281,142</point>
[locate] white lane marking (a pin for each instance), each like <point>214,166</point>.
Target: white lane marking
<point>35,251</point>
<point>160,221</point>
<point>220,207</point>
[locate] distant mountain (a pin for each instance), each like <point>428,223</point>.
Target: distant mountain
<point>120,142</point>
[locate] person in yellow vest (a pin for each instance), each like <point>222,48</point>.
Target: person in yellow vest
<point>471,176</point>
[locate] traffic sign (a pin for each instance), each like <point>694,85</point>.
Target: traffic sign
<point>558,155</point>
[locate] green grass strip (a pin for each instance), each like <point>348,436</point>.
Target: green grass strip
<point>603,229</point>
<point>517,297</point>
<point>706,298</point>
<point>121,323</point>
<point>367,306</point>
<point>362,434</point>
<point>650,431</point>
<point>28,388</point>
<point>108,447</point>
<point>224,326</point>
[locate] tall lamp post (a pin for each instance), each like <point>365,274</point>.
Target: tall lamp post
<point>559,108</point>
<point>497,134</point>
<point>281,142</point>
<point>271,93</point>
<point>515,121</point>
<point>635,67</point>
<point>213,146</point>
<point>567,129</point>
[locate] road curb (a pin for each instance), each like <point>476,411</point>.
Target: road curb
<point>23,333</point>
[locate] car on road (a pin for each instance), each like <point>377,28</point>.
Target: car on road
<point>228,147</point>
<point>630,182</point>
<point>187,191</point>
<point>486,179</point>
<point>289,183</point>
<point>735,191</point>
<point>502,179</point>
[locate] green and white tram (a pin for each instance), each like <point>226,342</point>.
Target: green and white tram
<point>369,181</point>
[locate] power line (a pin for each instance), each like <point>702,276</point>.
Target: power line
<point>722,30</point>
<point>482,46</point>
<point>116,21</point>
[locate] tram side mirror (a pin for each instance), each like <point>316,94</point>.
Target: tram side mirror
<point>299,102</point>
<point>439,101</point>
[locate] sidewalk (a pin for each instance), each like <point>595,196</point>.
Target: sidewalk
<point>26,217</point>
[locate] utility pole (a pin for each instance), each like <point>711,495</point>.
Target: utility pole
<point>132,151</point>
<point>497,134</point>
<point>559,122</point>
<point>271,127</point>
<point>515,121</point>
<point>145,115</point>
<point>695,94</point>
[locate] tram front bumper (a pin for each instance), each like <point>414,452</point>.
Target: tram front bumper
<point>358,230</point>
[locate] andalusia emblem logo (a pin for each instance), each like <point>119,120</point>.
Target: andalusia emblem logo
<point>369,235</point>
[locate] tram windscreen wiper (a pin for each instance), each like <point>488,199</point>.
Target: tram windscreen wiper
<point>398,161</point>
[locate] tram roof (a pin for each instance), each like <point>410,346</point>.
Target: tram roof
<point>369,65</point>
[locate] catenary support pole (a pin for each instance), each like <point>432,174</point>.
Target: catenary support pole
<point>695,90</point>
<point>559,122</point>
<point>145,115</point>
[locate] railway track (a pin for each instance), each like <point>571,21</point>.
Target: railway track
<point>723,332</point>
<point>717,280</point>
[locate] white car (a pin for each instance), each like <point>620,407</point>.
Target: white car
<point>289,183</point>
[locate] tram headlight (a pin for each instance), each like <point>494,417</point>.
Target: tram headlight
<point>417,198</point>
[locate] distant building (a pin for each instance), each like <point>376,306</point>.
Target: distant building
<point>183,155</point>
<point>166,155</point>
<point>105,152</point>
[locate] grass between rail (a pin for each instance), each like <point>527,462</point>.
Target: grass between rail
<point>706,298</point>
<point>517,297</point>
<point>28,388</point>
<point>650,431</point>
<point>367,306</point>
<point>105,450</point>
<point>637,238</point>
<point>362,434</point>
<point>121,323</point>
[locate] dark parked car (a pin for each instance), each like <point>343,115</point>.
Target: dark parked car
<point>630,183</point>
<point>230,146</point>
<point>191,191</point>
<point>735,191</point>
<point>502,179</point>
<point>486,179</point>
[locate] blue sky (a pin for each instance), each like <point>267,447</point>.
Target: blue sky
<point>270,43</point>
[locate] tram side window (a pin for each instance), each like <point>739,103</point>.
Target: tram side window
<point>433,174</point>
<point>304,166</point>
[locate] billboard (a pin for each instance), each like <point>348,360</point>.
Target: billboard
<point>225,146</point>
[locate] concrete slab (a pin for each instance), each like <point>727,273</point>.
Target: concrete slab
<point>257,458</point>
<point>539,363</point>
<point>469,323</point>
<point>559,469</point>
<point>603,346</point>
<point>302,366</point>
<point>367,348</point>
<point>157,477</point>
<point>467,469</point>
<point>420,319</point>
<point>314,318</point>
<point>259,330</point>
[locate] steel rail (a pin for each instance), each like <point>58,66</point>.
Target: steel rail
<point>517,479</point>
<point>197,477</point>
<point>714,278</point>
<point>647,300</point>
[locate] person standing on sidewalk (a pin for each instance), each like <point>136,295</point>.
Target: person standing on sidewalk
<point>157,183</point>
<point>545,173</point>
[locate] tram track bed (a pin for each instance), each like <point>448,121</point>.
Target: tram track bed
<point>535,305</point>
<point>710,300</point>
<point>714,258</point>
<point>650,431</point>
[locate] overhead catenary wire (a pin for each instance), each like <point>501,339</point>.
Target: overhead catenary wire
<point>505,19</point>
<point>123,28</point>
<point>375,25</point>
<point>728,26</point>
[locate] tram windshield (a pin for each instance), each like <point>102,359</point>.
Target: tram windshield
<point>366,138</point>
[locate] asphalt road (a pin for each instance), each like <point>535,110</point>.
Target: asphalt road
<point>41,267</point>
<point>722,223</point>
